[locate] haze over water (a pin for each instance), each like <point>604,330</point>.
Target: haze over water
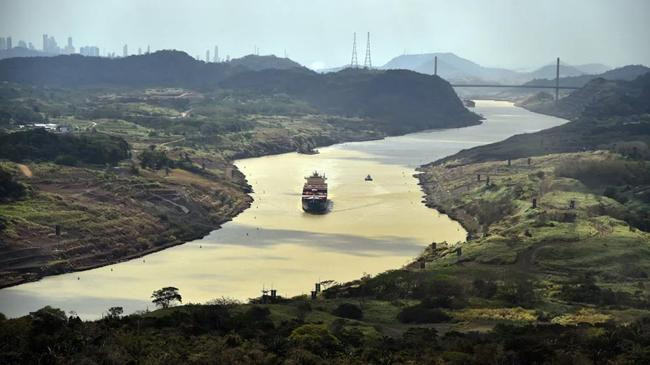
<point>372,227</point>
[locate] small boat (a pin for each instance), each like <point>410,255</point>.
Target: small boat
<point>368,178</point>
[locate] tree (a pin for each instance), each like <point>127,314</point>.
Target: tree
<point>166,296</point>
<point>115,312</point>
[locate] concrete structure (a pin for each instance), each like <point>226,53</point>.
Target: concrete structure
<point>435,65</point>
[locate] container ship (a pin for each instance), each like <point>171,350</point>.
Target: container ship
<point>314,194</point>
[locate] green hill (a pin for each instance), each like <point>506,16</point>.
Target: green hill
<point>257,63</point>
<point>402,101</point>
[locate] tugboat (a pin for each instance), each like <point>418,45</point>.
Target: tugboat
<point>314,194</point>
<point>368,178</point>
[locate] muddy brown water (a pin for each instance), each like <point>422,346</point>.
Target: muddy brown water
<point>372,226</point>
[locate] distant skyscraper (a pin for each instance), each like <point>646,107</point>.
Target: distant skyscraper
<point>139,51</point>
<point>148,49</point>
<point>30,45</point>
<point>207,56</point>
<point>69,48</point>
<point>125,51</point>
<point>9,46</point>
<point>216,54</point>
<point>3,43</point>
<point>50,46</point>
<point>22,44</point>
<point>89,51</point>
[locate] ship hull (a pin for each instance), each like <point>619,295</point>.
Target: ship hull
<point>314,205</point>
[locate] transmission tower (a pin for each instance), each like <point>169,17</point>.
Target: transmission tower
<point>354,63</point>
<point>367,62</point>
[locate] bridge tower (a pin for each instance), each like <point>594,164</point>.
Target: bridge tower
<point>557,80</point>
<point>367,62</point>
<point>435,65</point>
<point>354,63</point>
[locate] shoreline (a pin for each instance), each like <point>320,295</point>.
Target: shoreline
<point>129,257</point>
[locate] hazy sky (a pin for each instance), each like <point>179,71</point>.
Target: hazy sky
<point>507,33</point>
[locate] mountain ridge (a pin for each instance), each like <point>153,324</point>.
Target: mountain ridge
<point>459,69</point>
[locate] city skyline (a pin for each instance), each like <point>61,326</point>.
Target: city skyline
<point>50,46</point>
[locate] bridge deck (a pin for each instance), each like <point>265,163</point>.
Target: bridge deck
<point>517,86</point>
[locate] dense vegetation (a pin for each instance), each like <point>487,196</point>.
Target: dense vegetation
<point>233,334</point>
<point>163,68</point>
<point>66,149</point>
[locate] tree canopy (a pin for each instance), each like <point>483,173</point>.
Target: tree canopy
<point>39,144</point>
<point>166,296</point>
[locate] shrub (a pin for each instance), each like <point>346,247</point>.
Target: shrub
<point>66,160</point>
<point>315,338</point>
<point>10,189</point>
<point>520,292</point>
<point>606,172</point>
<point>488,212</point>
<point>440,294</point>
<point>348,310</point>
<point>421,314</point>
<point>484,289</point>
<point>155,159</point>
